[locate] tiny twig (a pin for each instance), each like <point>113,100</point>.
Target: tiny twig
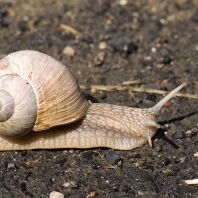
<point>68,29</point>
<point>191,181</point>
<point>131,95</point>
<point>34,161</point>
<point>109,166</point>
<point>131,82</point>
<point>136,89</point>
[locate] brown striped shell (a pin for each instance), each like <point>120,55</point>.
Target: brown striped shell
<point>48,94</point>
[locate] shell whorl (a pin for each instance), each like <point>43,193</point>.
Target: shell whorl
<point>57,95</point>
<point>18,106</point>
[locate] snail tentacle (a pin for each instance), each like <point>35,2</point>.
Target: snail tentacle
<point>159,105</point>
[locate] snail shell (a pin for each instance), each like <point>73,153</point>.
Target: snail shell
<point>38,93</point>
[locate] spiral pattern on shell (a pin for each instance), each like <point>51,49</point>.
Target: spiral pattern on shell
<point>42,92</point>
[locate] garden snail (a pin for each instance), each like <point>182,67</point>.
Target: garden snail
<point>39,96</point>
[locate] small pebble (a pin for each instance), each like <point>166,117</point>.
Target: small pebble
<point>102,45</point>
<point>188,133</point>
<point>69,51</point>
<point>160,66</point>
<point>191,133</point>
<point>112,157</point>
<point>70,184</point>
<point>123,2</point>
<point>148,58</point>
<point>93,90</point>
<point>176,36</point>
<point>151,97</point>
<point>167,125</point>
<point>99,58</point>
<point>55,194</point>
<point>91,194</point>
<point>140,162</point>
<point>145,176</point>
<point>182,159</point>
<point>71,151</point>
<point>10,166</point>
<point>179,135</point>
<point>167,104</point>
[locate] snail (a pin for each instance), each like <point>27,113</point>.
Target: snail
<point>42,107</point>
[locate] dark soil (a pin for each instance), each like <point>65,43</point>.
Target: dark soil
<point>155,42</point>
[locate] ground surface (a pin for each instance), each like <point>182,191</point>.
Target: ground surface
<point>155,42</point>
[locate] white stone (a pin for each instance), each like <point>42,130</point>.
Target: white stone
<point>69,51</point>
<point>102,45</point>
<point>55,194</point>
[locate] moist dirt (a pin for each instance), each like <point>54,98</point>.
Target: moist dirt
<point>153,42</point>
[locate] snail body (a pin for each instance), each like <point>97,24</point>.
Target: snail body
<point>42,107</point>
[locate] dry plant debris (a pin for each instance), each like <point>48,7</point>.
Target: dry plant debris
<point>123,87</point>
